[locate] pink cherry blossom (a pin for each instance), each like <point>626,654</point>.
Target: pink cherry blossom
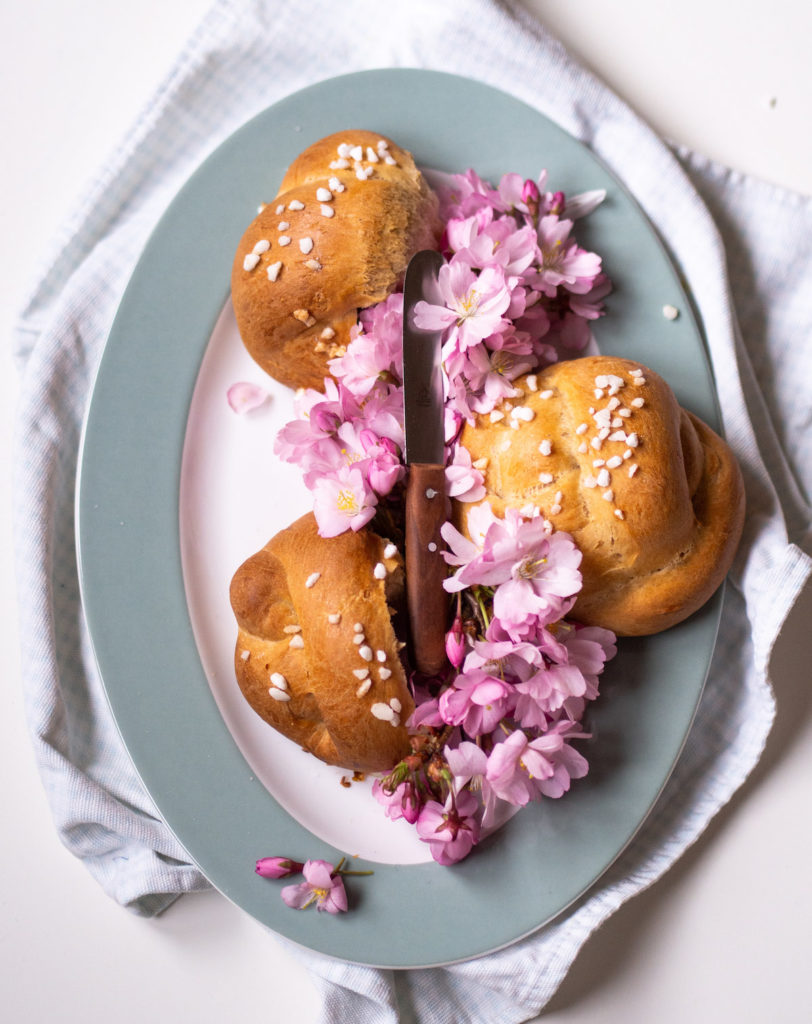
<point>511,192</point>
<point>375,350</point>
<point>544,580</point>
<point>490,375</point>
<point>567,764</point>
<point>478,700</point>
<point>463,481</point>
<point>521,770</point>
<point>382,413</point>
<point>468,764</point>
<point>505,773</point>
<point>589,305</point>
<point>321,886</point>
<point>451,829</point>
<point>342,501</point>
<point>382,463</point>
<point>485,242</point>
<point>474,304</point>
<point>535,573</point>
<point>463,551</point>
<point>546,692</point>
<point>463,194</point>
<point>563,262</point>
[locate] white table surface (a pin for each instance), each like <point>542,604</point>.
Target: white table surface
<point>726,935</point>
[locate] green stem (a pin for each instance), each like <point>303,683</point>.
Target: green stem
<point>482,609</point>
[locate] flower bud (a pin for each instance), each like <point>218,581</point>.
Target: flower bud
<point>557,205</point>
<point>530,192</point>
<point>278,867</point>
<point>455,643</point>
<point>531,197</point>
<point>411,803</point>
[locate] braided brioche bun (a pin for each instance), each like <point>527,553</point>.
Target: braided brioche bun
<point>317,656</point>
<point>350,213</point>
<point>651,495</point>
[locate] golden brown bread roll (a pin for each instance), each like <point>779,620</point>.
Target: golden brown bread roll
<point>350,213</point>
<point>651,495</point>
<point>316,655</point>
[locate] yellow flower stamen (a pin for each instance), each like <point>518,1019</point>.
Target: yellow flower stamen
<point>528,570</point>
<point>345,502</point>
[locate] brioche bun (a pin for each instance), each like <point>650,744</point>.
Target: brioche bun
<point>651,495</point>
<point>317,656</point>
<point>337,238</point>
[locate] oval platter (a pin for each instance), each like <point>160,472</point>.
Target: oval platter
<point>154,575</point>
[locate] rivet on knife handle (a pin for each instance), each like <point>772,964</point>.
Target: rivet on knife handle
<point>425,566</point>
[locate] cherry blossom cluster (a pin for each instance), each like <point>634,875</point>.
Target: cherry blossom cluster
<point>348,440</point>
<point>517,293</point>
<point>496,733</point>
<point>496,730</point>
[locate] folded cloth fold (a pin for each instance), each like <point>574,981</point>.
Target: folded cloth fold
<point>734,241</point>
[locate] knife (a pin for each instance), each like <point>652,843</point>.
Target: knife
<point>425,461</point>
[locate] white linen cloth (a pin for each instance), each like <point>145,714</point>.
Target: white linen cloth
<point>735,240</point>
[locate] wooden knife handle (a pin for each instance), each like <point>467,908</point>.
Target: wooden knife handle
<point>425,566</point>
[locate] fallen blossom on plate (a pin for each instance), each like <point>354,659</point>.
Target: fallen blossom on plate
<point>244,397</point>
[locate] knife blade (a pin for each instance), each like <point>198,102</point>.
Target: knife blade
<point>425,460</point>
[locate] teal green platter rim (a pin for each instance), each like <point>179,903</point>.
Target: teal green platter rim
<point>550,854</point>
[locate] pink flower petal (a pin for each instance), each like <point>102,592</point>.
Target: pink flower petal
<point>243,397</point>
